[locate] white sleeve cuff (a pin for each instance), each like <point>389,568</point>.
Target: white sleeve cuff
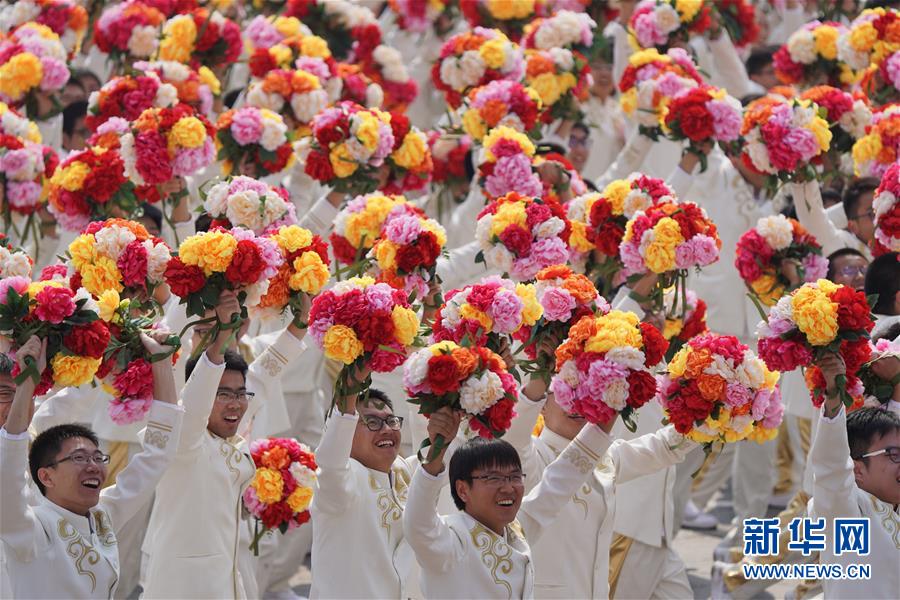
<point>15,437</point>
<point>839,416</point>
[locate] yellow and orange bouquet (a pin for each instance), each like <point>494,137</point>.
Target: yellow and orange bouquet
<point>562,79</point>
<point>870,39</point>
<point>303,272</point>
<point>879,148</point>
<point>32,60</point>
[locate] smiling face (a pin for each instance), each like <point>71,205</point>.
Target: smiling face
<point>491,497</point>
<point>878,475</point>
<point>375,449</point>
<point>75,487</point>
<point>230,405</point>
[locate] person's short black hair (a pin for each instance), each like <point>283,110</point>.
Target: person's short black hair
<point>831,196</point>
<point>582,127</point>
<point>866,425</point>
<point>549,148</point>
<point>377,398</point>
<point>746,100</point>
<point>233,362</point>
<point>480,453</point>
<point>49,443</point>
<point>759,59</point>
<point>231,97</point>
<point>202,223</point>
<point>153,213</point>
<point>883,278</point>
<point>469,164</point>
<point>838,254</point>
<point>856,190</point>
<point>6,364</point>
<point>71,114</point>
<point>82,74</point>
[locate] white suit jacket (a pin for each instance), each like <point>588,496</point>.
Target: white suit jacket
<point>53,553</point>
<point>812,214</point>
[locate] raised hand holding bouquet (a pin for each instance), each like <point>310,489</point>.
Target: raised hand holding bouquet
<point>358,225</point>
<point>501,103</point>
<point>520,235</point>
<point>249,203</point>
<point>810,57</point>
<point>471,379</point>
<point>303,273</point>
<point>603,367</point>
<point>816,319</point>
<point>662,23</point>
<point>717,391</point>
<point>387,69</point>
<point>282,488</point>
<point>69,322</point>
<point>776,257</point>
<point>848,116</point>
<point>887,212</point>
<point>881,375</point>
<point>507,164</point>
<point>253,140</point>
<point>481,314</point>
<point>364,324</point>
<point>876,151</point>
<point>702,115</point>
<point>32,62</point>
<point>677,329</point>
<point>598,223</point>
<point>405,255</point>
<point>127,97</point>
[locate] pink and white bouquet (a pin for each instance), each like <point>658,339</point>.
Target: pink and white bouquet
<point>661,23</point>
<point>31,59</point>
<point>887,212</point>
<point>253,137</point>
<point>249,203</point>
<point>501,103</point>
<point>297,95</point>
<point>565,29</point>
<point>66,18</point>
<point>128,31</point>
<point>14,262</point>
<point>475,58</point>
<point>603,367</point>
<point>387,69</point>
<point>521,235</point>
<point>406,253</point>
<point>507,164</point>
<point>483,312</point>
<point>810,57</point>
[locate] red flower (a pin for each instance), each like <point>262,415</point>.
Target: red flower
<point>853,309</point>
<point>247,264</point>
<point>429,249</point>
<point>685,405</point>
<point>601,212</point>
<point>641,387</point>
<point>443,375</point>
<point>608,237</point>
<point>132,264</point>
<point>501,414</point>
<point>88,340</point>
<point>481,296</point>
<point>349,307</point>
<point>855,354</point>
<point>399,127</point>
<point>385,361</point>
<point>54,304</point>
<point>261,62</point>
<point>752,250</point>
<point>688,112</point>
<point>318,166</point>
<point>537,213</point>
<point>517,239</point>
<point>183,279</point>
<point>344,252</point>
<point>409,257</point>
<point>373,330</point>
<point>655,345</point>
<point>152,162</point>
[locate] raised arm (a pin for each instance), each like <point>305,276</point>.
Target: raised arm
<point>629,159</point>
<point>321,215</point>
<point>649,453</point>
<point>811,214</point>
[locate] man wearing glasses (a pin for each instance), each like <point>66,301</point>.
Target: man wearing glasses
<point>63,543</point>
<point>856,467</point>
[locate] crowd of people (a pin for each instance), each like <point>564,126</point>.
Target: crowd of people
<point>446,298</point>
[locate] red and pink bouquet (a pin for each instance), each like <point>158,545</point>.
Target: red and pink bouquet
<point>358,87</point>
<point>127,97</point>
<point>703,114</point>
<point>887,212</point>
<point>470,379</point>
<point>784,138</point>
<point>200,37</point>
<point>738,17</point>
<point>361,322</point>
<point>128,31</point>
<point>810,57</point>
<point>349,143</point>
<point>358,225</point>
<point>507,164</point>
<point>32,59</point>
<point>405,255</point>
<point>521,235</point>
<point>876,385</point>
<point>387,69</point>
<point>847,114</point>
<point>91,185</point>
<point>817,318</point>
<point>510,17</point>
<point>598,222</point>
<point>603,367</point>
<point>253,139</point>
<point>303,272</point>
<point>717,391</point>
<point>879,148</point>
<point>249,203</point>
<point>778,244</point>
<point>297,95</point>
<point>679,329</point>
<point>197,88</point>
<point>282,488</point>
<point>65,18</point>
<point>483,312</point>
<point>662,23</point>
<point>410,161</point>
<point>66,318</point>
<point>307,52</point>
<point>501,103</point>
<point>473,59</point>
<point>562,80</point>
<point>350,28</point>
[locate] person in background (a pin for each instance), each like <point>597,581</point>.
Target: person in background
<point>7,387</point>
<point>151,218</point>
<point>580,144</point>
<point>851,227</point>
<point>848,267</point>
<point>761,68</point>
<point>883,279</point>
<point>75,131</point>
<point>604,117</point>
<point>89,81</point>
<point>73,91</point>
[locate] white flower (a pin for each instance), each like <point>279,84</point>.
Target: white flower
<point>166,95</point>
<point>416,367</point>
<point>802,47</point>
<point>274,134</point>
<point>552,227</point>
<point>129,158</point>
<point>758,153</point>
<point>635,200</point>
<point>750,371</point>
<point>667,19</point>
<point>616,394</point>
<point>334,86</point>
<point>89,302</point>
<point>472,69</point>
<point>306,106</point>
<point>720,366</point>
<point>855,59</point>
<point>478,394</point>
<point>216,200</point>
<point>18,13</point>
<point>391,62</point>
<point>742,424</point>
<point>111,241</point>
<point>158,256</point>
<point>173,71</point>
<point>499,257</point>
<point>627,356</point>
<point>374,96</point>
<point>562,58</point>
<point>883,202</point>
<point>243,209</point>
<point>512,121</point>
<point>576,209</point>
<point>143,41</point>
<point>776,230</point>
<point>14,124</point>
<point>258,97</point>
<point>303,475</point>
<point>569,373</point>
<point>274,208</point>
<point>855,121</point>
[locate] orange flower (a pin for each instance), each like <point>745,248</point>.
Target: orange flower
<point>471,42</point>
<point>139,231</point>
<point>493,111</point>
<point>188,90</point>
<point>887,155</point>
<point>581,288</point>
<point>582,330</point>
<point>276,457</point>
<point>697,360</point>
<point>554,272</point>
<point>466,361</point>
<point>567,351</point>
<point>274,82</point>
<point>278,293</point>
<point>78,18</point>
<point>225,119</point>
<point>797,228</point>
<point>712,387</point>
<point>491,359</point>
<point>391,278</point>
<point>300,83</point>
<point>743,409</point>
<point>148,120</point>
<point>537,65</point>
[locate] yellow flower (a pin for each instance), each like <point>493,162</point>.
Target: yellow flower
<point>281,54</point>
<point>547,87</point>
<point>386,254</point>
<point>492,54</point>
<point>268,485</point>
<point>72,177</point>
<point>865,149</point>
<point>660,257</point>
<point>701,438</point>
<point>474,124</point>
<point>531,309</point>
<point>510,213</point>
<point>310,273</point>
<point>81,250</point>
<point>863,37</point>
<point>578,239</point>
<point>362,281</point>
<point>470,312</point>
<point>826,286</point>
<point>614,330</point>
<point>211,251</point>
<point>688,9</point>
<point>341,161</point>
<point>767,288</point>
<point>770,377</point>
<point>71,371</point>
<point>362,229</point>
<point>210,79</point>
<point>411,152</point>
<point>406,324</point>
<point>305,80</point>
<point>616,192</point>
<point>182,29</point>
<point>642,57</point>
<point>672,328</point>
<point>566,82</point>
<point>667,231</point>
<point>815,315</point>
<point>314,46</point>
<point>819,127</point>
<point>628,101</point>
<point>510,9</point>
<point>300,499</point>
<point>444,347</point>
<point>287,26</point>
<point>340,343</point>
<point>367,131</point>
<point>679,362</point>
<point>293,237</point>
<point>36,286</point>
<point>108,302</point>
<point>761,435</point>
<point>100,276</point>
<point>188,132</point>
<point>508,133</point>
<point>20,74</point>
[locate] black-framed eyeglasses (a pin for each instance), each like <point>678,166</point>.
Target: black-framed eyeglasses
<point>375,423</point>
<point>869,213</point>
<point>226,396</point>
<point>498,480</point>
<point>81,459</point>
<point>892,452</point>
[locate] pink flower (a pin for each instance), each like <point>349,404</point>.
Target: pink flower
<point>56,74</point>
<point>380,297</point>
<point>648,34</point>
<point>124,411</point>
<point>318,329</point>
<point>132,263</point>
<point>403,229</point>
<point>246,128</point>
<point>684,256</point>
<point>726,120</point>
<point>261,33</point>
<point>54,304</point>
<point>706,252</point>
<point>23,194</point>
<point>601,373</point>
<point>737,395</point>
<point>191,160</point>
<point>550,251</point>
<point>513,173</point>
<point>802,141</point>
<point>779,326</point>
<point>892,67</point>
<point>761,402</point>
<point>385,142</point>
<point>563,394</point>
<point>15,161</point>
<point>18,283</point>
<point>558,304</point>
<point>815,267</point>
<point>506,310</point>
<point>783,355</point>
<point>775,410</point>
<point>252,502</point>
<point>385,361</point>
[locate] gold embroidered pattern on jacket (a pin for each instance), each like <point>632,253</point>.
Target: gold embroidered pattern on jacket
<point>391,511</point>
<point>889,519</point>
<point>79,550</point>
<point>495,554</point>
<point>233,458</point>
<point>104,528</point>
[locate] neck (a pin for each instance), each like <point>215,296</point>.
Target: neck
<point>498,528</point>
<point>80,510</point>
